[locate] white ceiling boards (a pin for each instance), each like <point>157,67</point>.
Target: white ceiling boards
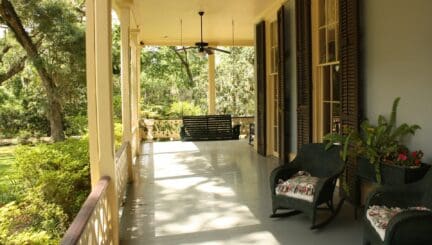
<point>159,20</point>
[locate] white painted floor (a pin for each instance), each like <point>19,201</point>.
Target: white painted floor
<point>215,192</point>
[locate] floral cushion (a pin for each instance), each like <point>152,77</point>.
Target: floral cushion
<point>379,216</point>
<point>301,185</point>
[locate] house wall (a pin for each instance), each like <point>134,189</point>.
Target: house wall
<point>397,62</point>
<point>291,6</point>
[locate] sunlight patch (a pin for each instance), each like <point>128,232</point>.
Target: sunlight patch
<point>174,147</point>
<point>195,204</point>
<point>259,237</point>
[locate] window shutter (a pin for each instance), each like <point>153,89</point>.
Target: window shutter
<point>284,84</point>
<point>351,94</point>
<point>261,88</point>
<point>304,72</point>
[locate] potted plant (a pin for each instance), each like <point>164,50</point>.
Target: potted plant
<point>382,156</point>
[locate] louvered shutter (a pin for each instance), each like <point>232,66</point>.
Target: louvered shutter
<point>351,94</point>
<point>261,88</point>
<point>304,72</point>
<point>284,112</point>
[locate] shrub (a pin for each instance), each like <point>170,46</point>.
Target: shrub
<point>60,170</point>
<point>76,125</point>
<point>32,221</point>
<point>178,109</point>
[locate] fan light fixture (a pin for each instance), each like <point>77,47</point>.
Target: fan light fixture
<point>202,46</point>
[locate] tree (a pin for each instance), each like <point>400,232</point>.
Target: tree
<point>235,82</point>
<point>51,34</point>
<point>170,76</point>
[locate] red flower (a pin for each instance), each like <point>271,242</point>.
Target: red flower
<point>402,157</point>
<point>414,154</point>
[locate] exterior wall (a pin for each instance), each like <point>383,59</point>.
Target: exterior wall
<point>398,62</point>
<point>291,6</point>
<point>269,16</point>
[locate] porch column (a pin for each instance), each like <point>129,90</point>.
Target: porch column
<point>135,72</point>
<point>126,83</point>
<point>99,95</point>
<point>211,85</point>
<point>138,99</point>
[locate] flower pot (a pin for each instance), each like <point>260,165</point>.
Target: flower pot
<point>391,174</point>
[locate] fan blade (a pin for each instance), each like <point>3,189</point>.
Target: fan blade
<point>208,51</point>
<point>221,50</point>
<point>185,48</point>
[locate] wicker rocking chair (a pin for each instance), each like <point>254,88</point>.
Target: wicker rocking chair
<point>307,182</point>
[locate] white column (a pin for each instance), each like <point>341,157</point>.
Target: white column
<point>125,78</point>
<point>138,99</point>
<point>126,83</point>
<point>100,110</point>
<point>211,85</point>
<point>134,84</point>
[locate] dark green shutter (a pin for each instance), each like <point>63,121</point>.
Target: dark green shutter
<point>284,67</point>
<point>351,94</point>
<point>304,72</point>
<point>261,88</point>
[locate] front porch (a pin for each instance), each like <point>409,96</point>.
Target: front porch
<point>215,192</point>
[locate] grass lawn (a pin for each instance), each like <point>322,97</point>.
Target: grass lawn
<point>6,161</point>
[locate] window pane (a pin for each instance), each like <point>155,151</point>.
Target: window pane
<point>322,14</point>
<point>322,46</point>
<point>331,11</point>
<point>336,125</point>
<point>326,118</point>
<point>336,83</point>
<point>326,83</point>
<point>331,43</point>
<point>336,109</point>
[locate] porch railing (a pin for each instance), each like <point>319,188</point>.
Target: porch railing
<point>91,225</point>
<point>169,129</point>
<point>121,165</point>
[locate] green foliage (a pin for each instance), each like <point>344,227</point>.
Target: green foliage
<point>235,82</point>
<point>377,143</point>
<point>118,135</point>
<point>179,109</point>
<point>59,170</point>
<point>32,220</point>
<point>76,125</point>
<point>164,79</point>
<point>165,84</point>
<point>57,28</point>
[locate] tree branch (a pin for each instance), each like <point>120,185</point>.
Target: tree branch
<point>16,68</point>
<point>13,21</point>
<point>7,12</point>
<point>185,64</point>
<point>5,49</point>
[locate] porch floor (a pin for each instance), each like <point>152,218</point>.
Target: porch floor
<point>215,192</point>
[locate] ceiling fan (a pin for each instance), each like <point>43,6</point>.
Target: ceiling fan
<point>203,46</point>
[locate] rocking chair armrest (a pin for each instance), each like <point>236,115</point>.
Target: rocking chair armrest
<point>324,186</point>
<point>394,196</point>
<point>409,226</point>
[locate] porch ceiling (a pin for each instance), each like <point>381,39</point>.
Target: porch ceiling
<point>159,20</point>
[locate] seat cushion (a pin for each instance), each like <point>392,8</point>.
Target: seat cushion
<point>380,216</point>
<point>301,186</point>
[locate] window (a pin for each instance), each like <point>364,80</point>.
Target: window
<point>274,79</point>
<point>327,86</point>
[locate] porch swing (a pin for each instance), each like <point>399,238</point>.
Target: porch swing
<point>208,127</point>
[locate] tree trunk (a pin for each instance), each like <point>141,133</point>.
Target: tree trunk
<point>8,14</point>
<point>185,64</point>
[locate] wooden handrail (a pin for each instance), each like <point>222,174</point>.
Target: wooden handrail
<point>120,151</point>
<point>73,234</point>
